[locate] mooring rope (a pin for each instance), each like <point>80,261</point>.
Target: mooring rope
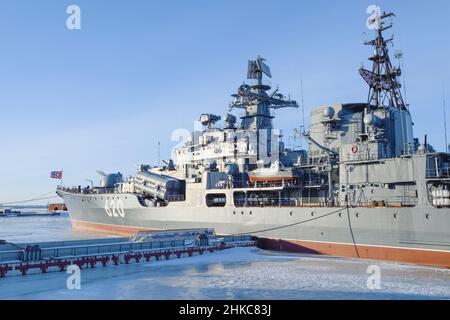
<point>41,197</point>
<point>291,224</point>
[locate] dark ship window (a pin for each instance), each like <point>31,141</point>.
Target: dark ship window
<point>239,199</point>
<point>216,200</point>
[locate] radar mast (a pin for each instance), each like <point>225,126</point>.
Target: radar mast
<point>383,80</point>
<point>255,100</point>
<point>257,103</point>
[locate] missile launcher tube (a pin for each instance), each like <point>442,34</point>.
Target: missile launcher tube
<point>164,182</point>
<point>156,185</point>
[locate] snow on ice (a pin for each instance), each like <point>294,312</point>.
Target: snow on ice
<point>241,273</point>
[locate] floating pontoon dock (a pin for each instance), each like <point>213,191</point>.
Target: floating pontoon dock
<point>45,257</point>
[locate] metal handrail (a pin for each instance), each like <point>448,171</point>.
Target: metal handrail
<point>438,173</point>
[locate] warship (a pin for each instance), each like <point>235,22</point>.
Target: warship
<point>365,188</point>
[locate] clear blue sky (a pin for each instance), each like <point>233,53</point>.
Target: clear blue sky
<point>101,97</point>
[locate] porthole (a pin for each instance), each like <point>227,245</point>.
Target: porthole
<point>312,214</point>
<point>234,212</point>
<point>395,215</point>
<point>290,213</point>
<point>250,213</point>
<point>357,214</point>
<point>427,216</point>
<point>242,212</point>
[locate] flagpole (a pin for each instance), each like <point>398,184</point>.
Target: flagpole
<point>57,175</point>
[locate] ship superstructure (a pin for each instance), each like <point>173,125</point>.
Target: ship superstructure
<point>364,188</point>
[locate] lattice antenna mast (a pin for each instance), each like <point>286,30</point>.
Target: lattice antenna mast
<point>383,80</point>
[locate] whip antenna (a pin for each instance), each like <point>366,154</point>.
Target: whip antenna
<point>445,120</point>
<point>303,106</point>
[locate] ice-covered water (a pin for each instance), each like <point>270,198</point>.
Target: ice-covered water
<point>41,228</point>
<point>244,273</point>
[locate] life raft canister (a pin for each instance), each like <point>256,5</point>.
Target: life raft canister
<point>354,149</point>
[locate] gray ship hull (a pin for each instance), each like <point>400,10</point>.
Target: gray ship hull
<point>405,234</point>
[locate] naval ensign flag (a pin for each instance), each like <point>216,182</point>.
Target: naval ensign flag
<point>56,175</point>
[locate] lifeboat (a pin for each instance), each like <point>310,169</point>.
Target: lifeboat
<point>275,173</point>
